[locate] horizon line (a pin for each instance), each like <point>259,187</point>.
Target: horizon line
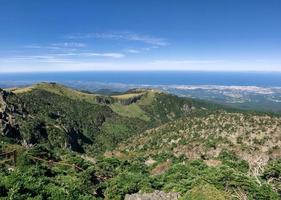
<point>139,70</point>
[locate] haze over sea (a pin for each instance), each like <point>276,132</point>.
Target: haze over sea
<point>265,79</point>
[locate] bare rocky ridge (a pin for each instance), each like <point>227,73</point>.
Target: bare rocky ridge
<point>156,195</point>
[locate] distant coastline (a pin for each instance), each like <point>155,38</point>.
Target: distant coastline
<point>223,78</point>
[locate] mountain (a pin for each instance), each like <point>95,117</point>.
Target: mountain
<point>248,96</point>
<point>60,143</point>
<point>84,122</point>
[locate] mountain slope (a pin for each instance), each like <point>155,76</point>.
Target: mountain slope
<point>83,122</point>
<point>254,138</point>
<point>247,144</point>
<point>59,143</point>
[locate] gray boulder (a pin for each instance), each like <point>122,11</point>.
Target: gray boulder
<point>156,195</point>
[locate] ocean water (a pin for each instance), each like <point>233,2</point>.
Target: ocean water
<point>267,79</point>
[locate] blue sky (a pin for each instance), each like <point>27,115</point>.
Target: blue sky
<point>68,35</point>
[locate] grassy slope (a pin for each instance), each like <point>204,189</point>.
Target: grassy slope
<point>68,118</point>
<point>132,110</point>
<point>59,90</point>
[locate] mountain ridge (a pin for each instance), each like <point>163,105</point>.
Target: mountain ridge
<point>59,143</point>
<point>59,107</point>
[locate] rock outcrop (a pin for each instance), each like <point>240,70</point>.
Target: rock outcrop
<point>8,125</point>
<point>156,195</point>
<point>130,100</point>
<point>104,100</point>
<point>187,108</point>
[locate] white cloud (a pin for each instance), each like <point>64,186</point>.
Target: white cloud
<point>44,47</point>
<point>185,62</point>
<point>35,59</point>
<point>135,51</point>
<point>122,36</point>
<point>111,55</point>
<point>86,61</point>
<point>45,64</point>
<point>93,54</point>
<point>53,59</point>
<point>68,49</point>
<point>69,44</point>
<point>57,46</point>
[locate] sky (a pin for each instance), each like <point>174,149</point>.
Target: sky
<point>85,35</point>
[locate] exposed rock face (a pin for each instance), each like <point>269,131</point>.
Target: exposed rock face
<point>3,96</point>
<point>74,139</point>
<point>104,100</point>
<point>130,100</point>
<point>110,100</point>
<point>7,122</point>
<point>187,107</point>
<point>156,195</point>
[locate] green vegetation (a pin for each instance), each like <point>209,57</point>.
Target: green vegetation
<point>205,192</point>
<point>58,144</point>
<point>42,173</point>
<point>63,117</point>
<point>132,110</point>
<point>59,90</point>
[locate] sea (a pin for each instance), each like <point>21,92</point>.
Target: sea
<point>264,79</point>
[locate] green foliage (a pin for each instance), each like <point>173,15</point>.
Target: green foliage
<point>205,192</point>
<point>65,133</point>
<point>60,120</point>
<point>112,178</point>
<point>132,111</point>
<point>40,180</point>
<point>272,174</point>
<point>231,160</point>
<point>63,117</point>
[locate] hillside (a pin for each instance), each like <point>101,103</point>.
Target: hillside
<point>64,117</point>
<point>59,143</point>
<point>254,138</point>
<point>232,154</point>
